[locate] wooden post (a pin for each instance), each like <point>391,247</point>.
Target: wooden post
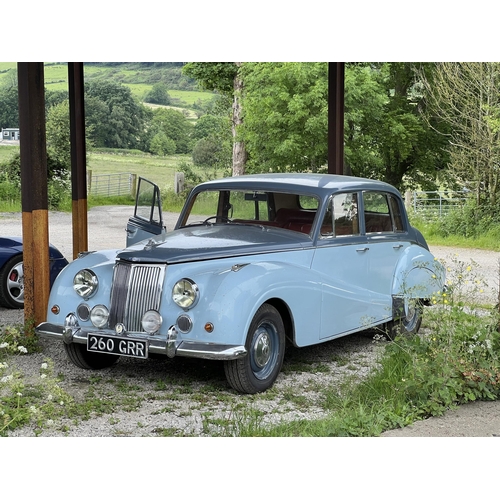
<point>34,197</point>
<point>78,158</point>
<point>336,71</point>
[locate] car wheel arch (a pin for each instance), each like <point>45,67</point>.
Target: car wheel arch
<point>286,315</point>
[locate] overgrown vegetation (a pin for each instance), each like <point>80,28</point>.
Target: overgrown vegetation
<point>469,226</point>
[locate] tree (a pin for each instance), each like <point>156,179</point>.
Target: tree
<point>9,113</point>
<point>466,97</point>
<point>158,95</point>
<point>58,136</point>
<point>386,136</point>
<point>174,126</point>
<point>224,78</point>
<point>162,145</point>
<point>286,115</point>
<point>214,145</point>
<point>411,151</point>
<point>58,141</point>
<point>116,119</point>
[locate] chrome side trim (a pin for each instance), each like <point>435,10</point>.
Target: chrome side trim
<point>210,351</point>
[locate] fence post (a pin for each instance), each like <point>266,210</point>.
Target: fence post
<point>89,181</point>
<point>133,185</point>
<point>179,182</point>
<point>407,200</point>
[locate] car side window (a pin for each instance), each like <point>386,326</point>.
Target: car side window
<point>382,213</point>
<point>341,217</point>
<point>396,214</point>
<point>148,202</point>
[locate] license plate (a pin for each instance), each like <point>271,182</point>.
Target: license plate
<point>114,345</point>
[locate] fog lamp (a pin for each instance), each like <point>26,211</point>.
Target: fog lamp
<point>151,321</point>
<point>99,316</point>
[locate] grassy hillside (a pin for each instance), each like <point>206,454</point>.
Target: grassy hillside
<point>138,78</point>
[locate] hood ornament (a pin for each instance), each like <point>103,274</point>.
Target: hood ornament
<point>150,244</point>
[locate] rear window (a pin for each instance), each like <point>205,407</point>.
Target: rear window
<point>382,213</point>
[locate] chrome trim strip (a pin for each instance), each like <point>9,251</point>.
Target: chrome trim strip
<point>201,350</point>
<point>170,347</point>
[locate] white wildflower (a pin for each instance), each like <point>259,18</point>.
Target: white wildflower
<point>22,349</point>
<point>43,375</point>
<point>3,345</point>
<point>44,366</point>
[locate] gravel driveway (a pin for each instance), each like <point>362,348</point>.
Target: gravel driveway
<point>191,397</point>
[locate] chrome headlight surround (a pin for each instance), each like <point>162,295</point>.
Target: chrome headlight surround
<point>185,293</point>
<point>85,283</point>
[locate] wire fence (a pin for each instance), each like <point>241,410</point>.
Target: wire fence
<point>434,204</point>
<point>111,184</point>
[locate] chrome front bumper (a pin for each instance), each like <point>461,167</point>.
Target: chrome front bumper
<point>170,347</point>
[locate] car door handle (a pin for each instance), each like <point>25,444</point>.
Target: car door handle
<point>364,249</point>
<point>397,247</point>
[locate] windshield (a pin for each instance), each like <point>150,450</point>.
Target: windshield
<point>285,210</point>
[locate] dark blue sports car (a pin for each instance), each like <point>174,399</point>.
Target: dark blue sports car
<point>11,270</point>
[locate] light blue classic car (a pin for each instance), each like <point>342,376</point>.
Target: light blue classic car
<point>253,262</point>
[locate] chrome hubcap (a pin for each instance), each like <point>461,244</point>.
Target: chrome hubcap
<point>262,348</point>
<point>410,310</point>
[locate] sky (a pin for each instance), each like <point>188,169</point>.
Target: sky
<point>260,30</point>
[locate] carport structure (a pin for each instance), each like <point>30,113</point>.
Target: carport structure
<point>34,195</point>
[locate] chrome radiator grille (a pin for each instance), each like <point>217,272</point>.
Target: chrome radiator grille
<point>136,289</point>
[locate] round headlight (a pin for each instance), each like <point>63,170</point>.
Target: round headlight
<point>185,293</point>
<point>85,283</point>
<point>151,321</point>
<point>99,316</point>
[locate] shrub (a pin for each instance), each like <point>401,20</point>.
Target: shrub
<point>470,220</point>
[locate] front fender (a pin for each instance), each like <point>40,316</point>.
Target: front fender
<point>231,298</point>
<point>418,274</point>
<point>62,292</point>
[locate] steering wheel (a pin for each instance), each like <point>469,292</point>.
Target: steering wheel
<point>220,218</point>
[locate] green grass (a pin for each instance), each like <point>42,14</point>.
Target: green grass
<point>489,240</point>
<point>160,170</point>
<point>7,152</point>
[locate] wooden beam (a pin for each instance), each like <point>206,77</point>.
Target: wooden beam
<point>34,197</point>
<point>78,158</point>
<point>336,72</point>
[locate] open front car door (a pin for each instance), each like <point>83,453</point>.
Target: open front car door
<point>147,220</point>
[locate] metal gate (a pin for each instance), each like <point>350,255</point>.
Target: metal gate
<point>434,203</point>
<point>111,184</point>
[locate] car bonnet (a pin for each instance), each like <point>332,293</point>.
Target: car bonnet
<point>214,242</point>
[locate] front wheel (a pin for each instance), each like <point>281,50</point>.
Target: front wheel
<point>265,345</point>
<point>79,356</point>
<point>12,283</point>
<point>409,323</point>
